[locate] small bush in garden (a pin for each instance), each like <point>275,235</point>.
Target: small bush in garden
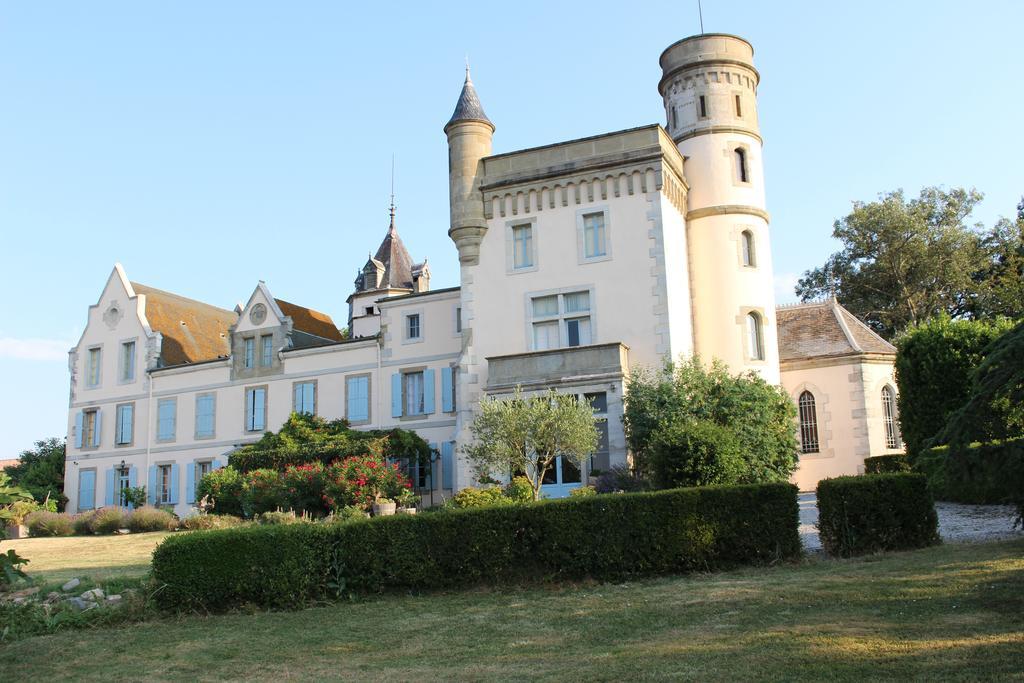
<point>221,490</point>
<point>583,492</point>
<point>82,523</point>
<point>695,453</point>
<point>45,523</point>
<point>151,519</point>
<point>600,537</point>
<point>281,517</point>
<point>207,521</point>
<point>20,509</point>
<point>346,514</point>
<point>876,512</point>
<point>519,490</point>
<point>108,520</point>
<point>472,497</point>
<point>134,497</point>
<point>621,478</point>
<point>883,464</point>
<point>979,473</point>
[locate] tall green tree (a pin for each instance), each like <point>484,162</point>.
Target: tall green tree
<point>679,399</point>
<point>904,261</point>
<point>40,470</point>
<point>526,434</point>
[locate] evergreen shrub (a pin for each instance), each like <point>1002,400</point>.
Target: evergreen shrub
<point>876,512</point>
<point>601,537</point>
<point>882,464</point>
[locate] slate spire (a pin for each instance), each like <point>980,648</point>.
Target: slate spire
<point>468,107</point>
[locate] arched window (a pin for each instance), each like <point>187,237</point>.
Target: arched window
<point>741,164</point>
<point>756,337</point>
<point>892,437</point>
<point>749,256</point>
<point>808,423</point>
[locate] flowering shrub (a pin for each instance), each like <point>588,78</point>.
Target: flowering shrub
<point>263,491</point>
<point>305,488</point>
<point>220,492</point>
<point>360,480</point>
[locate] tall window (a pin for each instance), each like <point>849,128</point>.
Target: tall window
<point>266,350</point>
<point>163,484</point>
<point>703,107</point>
<point>123,428</point>
<point>123,482</point>
<point>522,246</point>
<point>205,416</point>
<point>357,398</point>
<point>892,439</point>
<point>675,117</point>
<point>92,370</point>
<point>128,361</point>
<point>250,352</point>
<point>559,317</point>
<point>600,459</point>
<point>740,155</point>
<point>808,423</point>
<point>412,393</point>
<point>305,398</point>
<point>412,326</point>
<point>594,242</point>
<point>255,409</point>
<point>749,255</point>
<point>458,320</point>
<point>755,336</point>
<point>90,428</point>
<point>739,108</point>
<point>166,419</point>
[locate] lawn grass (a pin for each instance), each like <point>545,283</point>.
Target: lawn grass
<point>953,612</point>
<point>55,560</point>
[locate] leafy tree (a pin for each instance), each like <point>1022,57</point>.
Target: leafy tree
<point>40,470</point>
<point>903,262</point>
<point>526,434</point>
<point>996,402</point>
<point>934,364</point>
<point>761,416</point>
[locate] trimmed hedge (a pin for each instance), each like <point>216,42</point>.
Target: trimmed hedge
<point>982,473</point>
<point>603,537</point>
<point>874,512</point>
<point>883,464</point>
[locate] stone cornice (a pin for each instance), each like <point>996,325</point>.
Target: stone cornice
<point>724,209</point>
<point>712,130</point>
<point>831,361</point>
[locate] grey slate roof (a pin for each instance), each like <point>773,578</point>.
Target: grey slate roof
<point>825,329</point>
<point>395,258</point>
<point>468,107</point>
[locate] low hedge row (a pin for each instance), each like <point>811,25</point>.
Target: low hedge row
<point>603,537</point>
<point>882,464</point>
<point>982,473</point>
<point>874,512</point>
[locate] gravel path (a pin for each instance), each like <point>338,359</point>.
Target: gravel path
<point>957,523</point>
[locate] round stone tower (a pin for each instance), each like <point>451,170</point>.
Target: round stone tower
<point>469,134</point>
<point>709,87</point>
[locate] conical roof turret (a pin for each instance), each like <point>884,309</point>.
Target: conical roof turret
<point>468,107</point>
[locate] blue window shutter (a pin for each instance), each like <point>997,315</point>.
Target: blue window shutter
<point>129,422</point>
<point>428,391</point>
<point>396,395</point>
<point>96,434</point>
<point>78,429</point>
<point>87,489</point>
<point>447,463</point>
<point>446,389</point>
<point>190,483</point>
<point>174,485</point>
<point>248,409</point>
<point>218,463</point>
<point>430,465</point>
<point>111,482</point>
<point>151,493</point>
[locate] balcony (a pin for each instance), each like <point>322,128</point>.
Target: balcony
<point>555,367</point>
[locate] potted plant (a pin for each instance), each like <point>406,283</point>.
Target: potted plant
<point>407,501</point>
<point>383,507</point>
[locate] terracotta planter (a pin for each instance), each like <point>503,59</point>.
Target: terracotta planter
<point>17,531</point>
<point>384,509</point>
<point>407,511</point>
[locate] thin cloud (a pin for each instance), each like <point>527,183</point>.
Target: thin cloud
<point>49,350</point>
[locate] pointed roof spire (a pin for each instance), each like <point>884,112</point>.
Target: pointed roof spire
<point>468,107</point>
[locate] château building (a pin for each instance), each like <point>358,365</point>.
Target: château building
<point>579,260</point>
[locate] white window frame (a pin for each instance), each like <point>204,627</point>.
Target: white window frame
<point>890,419</point>
<point>581,235</point>
<point>249,353</point>
<point>561,317</point>
<point>510,246</point>
<point>91,369</point>
<point>266,350</point>
<point>247,422</point>
<point>422,393</point>
<point>165,477</point>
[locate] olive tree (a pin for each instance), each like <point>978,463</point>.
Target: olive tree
<point>526,433</point>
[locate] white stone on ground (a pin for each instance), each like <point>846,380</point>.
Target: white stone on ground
<point>70,585</point>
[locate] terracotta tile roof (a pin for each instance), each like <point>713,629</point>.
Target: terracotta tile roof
<point>4,464</point>
<point>192,331</point>
<point>824,329</point>
<point>309,321</point>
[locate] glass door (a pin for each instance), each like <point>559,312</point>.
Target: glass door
<point>561,478</point>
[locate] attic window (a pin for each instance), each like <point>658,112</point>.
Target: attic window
<point>369,310</point>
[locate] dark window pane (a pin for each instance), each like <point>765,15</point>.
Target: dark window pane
<point>570,473</point>
<point>598,401</point>
<point>573,327</point>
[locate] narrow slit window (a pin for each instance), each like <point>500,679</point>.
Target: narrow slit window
<point>703,107</point>
<point>892,439</point>
<point>756,340</point>
<point>749,255</point>
<point>741,165</point>
<point>808,424</point>
<point>739,107</point>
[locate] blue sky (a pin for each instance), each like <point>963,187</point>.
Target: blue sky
<point>208,145</point>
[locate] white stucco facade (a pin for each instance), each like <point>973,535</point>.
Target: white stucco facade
<point>578,261</point>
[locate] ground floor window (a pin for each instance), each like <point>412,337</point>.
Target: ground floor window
<point>163,484</point>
